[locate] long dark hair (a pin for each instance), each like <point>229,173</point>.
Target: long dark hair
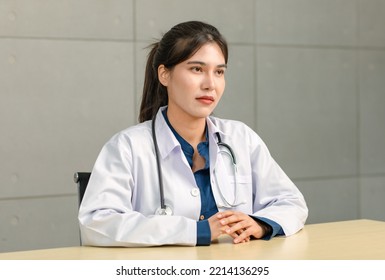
<point>178,44</point>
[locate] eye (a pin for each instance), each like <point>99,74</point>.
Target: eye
<point>196,69</point>
<point>220,72</point>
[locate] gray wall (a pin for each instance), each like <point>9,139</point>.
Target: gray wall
<point>308,75</point>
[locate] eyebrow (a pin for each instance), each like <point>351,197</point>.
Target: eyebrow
<point>204,64</point>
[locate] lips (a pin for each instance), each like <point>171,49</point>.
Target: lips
<point>206,99</point>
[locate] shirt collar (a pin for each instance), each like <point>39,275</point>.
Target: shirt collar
<point>167,140</point>
<point>188,150</point>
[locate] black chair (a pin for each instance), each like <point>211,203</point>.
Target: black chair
<point>81,179</point>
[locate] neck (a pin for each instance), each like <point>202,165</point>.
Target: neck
<point>191,129</point>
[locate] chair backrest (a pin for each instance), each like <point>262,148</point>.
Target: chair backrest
<point>81,179</point>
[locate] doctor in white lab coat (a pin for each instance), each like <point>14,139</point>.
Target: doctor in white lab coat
<point>253,199</point>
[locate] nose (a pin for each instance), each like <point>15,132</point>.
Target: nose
<point>209,82</point>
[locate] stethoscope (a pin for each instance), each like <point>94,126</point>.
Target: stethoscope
<point>226,149</point>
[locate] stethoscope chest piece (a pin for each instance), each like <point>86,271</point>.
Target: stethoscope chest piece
<point>164,211</point>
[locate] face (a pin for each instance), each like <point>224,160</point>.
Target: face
<point>196,85</point>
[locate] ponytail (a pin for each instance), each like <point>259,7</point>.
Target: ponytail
<point>154,93</point>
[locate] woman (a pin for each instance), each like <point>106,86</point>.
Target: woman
<point>217,176</point>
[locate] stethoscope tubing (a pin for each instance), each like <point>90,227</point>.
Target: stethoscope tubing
<point>220,143</point>
<point>159,167</point>
<point>164,209</point>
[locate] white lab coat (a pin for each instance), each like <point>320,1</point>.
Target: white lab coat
<point>118,208</point>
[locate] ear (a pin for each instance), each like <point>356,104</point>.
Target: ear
<point>163,75</point>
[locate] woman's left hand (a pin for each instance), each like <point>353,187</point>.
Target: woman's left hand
<point>241,224</point>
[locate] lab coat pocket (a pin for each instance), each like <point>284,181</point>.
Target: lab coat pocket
<point>243,196</point>
<point>234,192</point>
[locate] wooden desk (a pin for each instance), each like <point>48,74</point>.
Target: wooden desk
<point>348,240</point>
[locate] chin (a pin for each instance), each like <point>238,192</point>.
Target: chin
<point>203,114</point>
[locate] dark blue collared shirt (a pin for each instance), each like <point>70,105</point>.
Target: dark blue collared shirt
<point>202,179</point>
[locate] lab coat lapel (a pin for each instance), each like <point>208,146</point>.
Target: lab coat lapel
<point>221,178</point>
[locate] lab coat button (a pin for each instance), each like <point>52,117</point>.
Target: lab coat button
<point>195,192</point>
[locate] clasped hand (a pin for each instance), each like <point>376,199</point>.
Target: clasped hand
<point>240,226</point>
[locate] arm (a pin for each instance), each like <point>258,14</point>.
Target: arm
<point>277,208</point>
<point>118,211</point>
<point>277,199</point>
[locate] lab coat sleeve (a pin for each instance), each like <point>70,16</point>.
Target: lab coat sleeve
<point>275,196</point>
<point>107,216</point>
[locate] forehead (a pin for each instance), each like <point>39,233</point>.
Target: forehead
<point>208,53</point>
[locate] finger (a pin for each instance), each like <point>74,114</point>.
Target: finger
<point>233,234</point>
<point>239,226</point>
<point>244,241</point>
<point>239,232</point>
<point>243,237</point>
<point>234,217</point>
<point>236,235</point>
<point>224,214</point>
<point>229,220</point>
<point>243,229</point>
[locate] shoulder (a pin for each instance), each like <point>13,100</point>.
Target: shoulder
<point>231,126</point>
<point>136,134</point>
<point>236,132</point>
